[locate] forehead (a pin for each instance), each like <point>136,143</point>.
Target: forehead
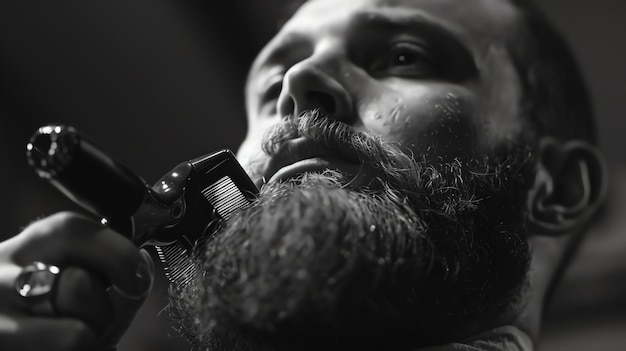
<point>480,22</point>
<point>468,9</point>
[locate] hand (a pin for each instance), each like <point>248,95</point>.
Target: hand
<point>103,281</point>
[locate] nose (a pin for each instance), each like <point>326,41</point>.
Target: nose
<point>306,86</point>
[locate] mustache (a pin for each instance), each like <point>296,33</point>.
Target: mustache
<point>385,158</point>
<point>394,167</point>
<point>331,134</point>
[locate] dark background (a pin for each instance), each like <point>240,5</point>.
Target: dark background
<point>156,82</point>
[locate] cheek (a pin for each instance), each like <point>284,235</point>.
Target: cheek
<point>250,154</point>
<point>438,124</point>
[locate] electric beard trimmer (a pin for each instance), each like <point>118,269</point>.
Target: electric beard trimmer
<point>185,207</point>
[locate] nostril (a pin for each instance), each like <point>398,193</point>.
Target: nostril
<point>286,106</point>
<point>322,101</point>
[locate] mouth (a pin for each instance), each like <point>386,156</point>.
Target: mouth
<point>316,164</point>
<point>301,155</point>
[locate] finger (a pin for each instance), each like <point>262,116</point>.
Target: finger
<point>69,238</point>
<point>125,308</point>
<point>76,293</point>
<point>50,334</point>
<point>82,295</point>
<point>8,294</point>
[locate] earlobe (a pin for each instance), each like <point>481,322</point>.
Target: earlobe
<point>569,186</point>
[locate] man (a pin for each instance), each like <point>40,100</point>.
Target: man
<point>427,169</point>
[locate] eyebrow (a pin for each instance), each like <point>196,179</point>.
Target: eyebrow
<point>461,62</point>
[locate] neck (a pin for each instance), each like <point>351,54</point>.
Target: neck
<point>549,255</point>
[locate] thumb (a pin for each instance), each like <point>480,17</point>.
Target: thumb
<point>126,304</point>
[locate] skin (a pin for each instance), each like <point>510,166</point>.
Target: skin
<point>444,88</point>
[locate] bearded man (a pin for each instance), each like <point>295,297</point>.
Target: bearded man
<point>426,169</point>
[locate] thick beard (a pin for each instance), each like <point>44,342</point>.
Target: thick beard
<point>314,265</point>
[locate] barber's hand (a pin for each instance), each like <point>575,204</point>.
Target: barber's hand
<point>103,281</point>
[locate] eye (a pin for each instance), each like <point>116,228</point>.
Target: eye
<point>404,59</point>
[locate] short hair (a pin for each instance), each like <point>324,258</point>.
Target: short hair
<point>555,96</point>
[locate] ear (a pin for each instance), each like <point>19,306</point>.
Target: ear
<point>569,186</point>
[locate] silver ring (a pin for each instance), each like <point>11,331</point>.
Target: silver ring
<point>36,283</point>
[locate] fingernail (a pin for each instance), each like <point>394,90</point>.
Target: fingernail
<point>144,277</point>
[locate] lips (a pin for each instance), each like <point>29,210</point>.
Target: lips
<point>317,164</point>
<point>301,155</point>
